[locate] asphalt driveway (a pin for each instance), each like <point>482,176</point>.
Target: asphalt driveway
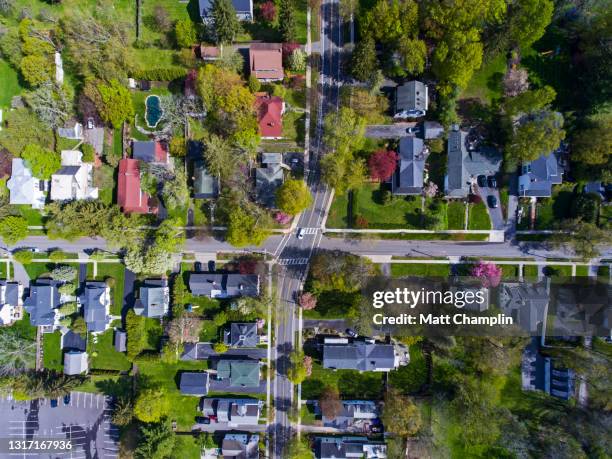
<point>495,215</point>
<point>388,131</point>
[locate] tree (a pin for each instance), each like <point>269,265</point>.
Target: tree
<point>515,82</point>
<point>329,402</point>
<point>13,229</point>
<point>115,103</point>
<point>529,101</point>
<point>57,255</point>
<point>16,351</point>
<point>156,441</point>
<point>363,61</point>
<point>148,259</point>
<point>36,69</point>
<point>180,295</point>
<point>51,104</point>
<point>293,196</point>
<point>583,237</point>
<point>400,414</point>
<point>24,257</point>
<point>296,372</point>
<point>267,10</point>
<point>527,21</point>
<point>177,146</point>
<point>344,131</point>
<point>297,448</point>
<point>205,440</point>
<point>64,273</point>
<point>175,192</point>
<point>254,84</point>
<point>348,8</point>
<point>489,273</point>
<point>225,23</point>
<point>151,405</point>
<point>135,327</point>
<point>220,348</point>
<point>184,329</point>
<point>585,207</point>
<point>79,326</point>
<point>243,229</point>
<point>539,135</point>
<point>42,162</point>
<point>287,21</point>
<point>593,144</point>
<point>221,158</point>
<point>185,33</point>
<point>430,190</point>
<point>382,164</point>
<point>413,53</point>
<point>308,301</point>
<point>297,60</point>
<point>123,412</point>
<point>220,319</point>
<point>68,309</point>
<point>162,18</point>
<point>89,153</point>
<point>24,128</point>
<point>435,345</point>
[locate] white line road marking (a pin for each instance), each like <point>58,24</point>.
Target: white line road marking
<point>292,261</point>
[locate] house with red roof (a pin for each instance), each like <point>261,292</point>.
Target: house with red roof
<point>130,196</point>
<point>270,111</point>
<point>266,61</point>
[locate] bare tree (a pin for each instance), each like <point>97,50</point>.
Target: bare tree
<point>430,190</point>
<point>185,329</point>
<point>50,104</point>
<point>329,402</point>
<point>515,82</point>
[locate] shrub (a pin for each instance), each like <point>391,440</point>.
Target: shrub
<point>88,153</point>
<point>23,256</point>
<point>220,348</point>
<point>67,309</point>
<point>159,74</point>
<point>57,255</point>
<point>254,84</point>
<point>64,273</point>
<point>110,281</point>
<point>67,289</point>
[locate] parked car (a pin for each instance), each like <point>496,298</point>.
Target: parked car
<point>212,266</point>
<point>482,181</point>
<point>492,201</point>
<point>197,266</point>
<point>492,181</point>
<point>352,333</point>
<point>90,123</point>
<point>67,399</point>
<point>300,233</point>
<point>202,420</point>
<point>53,403</point>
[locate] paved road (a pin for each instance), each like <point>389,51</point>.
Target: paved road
<point>388,131</point>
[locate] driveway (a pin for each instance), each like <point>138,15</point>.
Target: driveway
<point>85,421</point>
<point>388,131</point>
<point>226,427</point>
<point>495,215</point>
<point>334,324</point>
<point>128,291</point>
<point>204,351</point>
<point>95,137</point>
<point>20,274</point>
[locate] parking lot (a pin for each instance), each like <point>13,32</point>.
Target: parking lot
<point>84,420</point>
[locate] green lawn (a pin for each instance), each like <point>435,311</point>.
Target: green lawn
<point>117,272</point>
<point>186,447</point>
<point>411,377</point>
<point>153,332</point>
<point>456,215</point>
<point>24,327</point>
<point>293,127</point>
<point>479,217</point>
<point>103,354</point>
<point>9,84</point>
<point>3,271</point>
<point>510,271</point>
<point>418,269</point>
<point>52,351</point>
<point>486,83</point>
<point>582,271</point>
<point>337,217</point>
<point>558,270</point>
<point>550,211</point>
<point>35,270</point>
<point>209,332</point>
<point>33,216</point>
<point>530,271</point>
<point>350,383</point>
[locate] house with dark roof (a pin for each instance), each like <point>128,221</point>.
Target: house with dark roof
<point>241,334</point>
<point>205,186</point>
<point>269,178</point>
<point>150,151</point>
<point>120,341</point>
<point>72,132</point>
<point>270,111</point>
<point>154,299</point>
<point>349,447</point>
<point>24,188</point>
<point>42,303</point>
<point>240,446</point>
<point>525,302</point>
<point>540,372</point>
<point>266,61</point>
<point>194,383</point>
<point>235,412</point>
<point>359,355</point>
<point>11,304</point>
<point>408,177</point>
<point>227,285</point>
<point>464,165</point>
<point>538,176</point>
<point>130,196</point>
<point>582,310</point>
<point>354,413</point>
<point>411,100</point>
<point>244,10</point>
<point>72,341</point>
<point>96,301</point>
<point>75,363</point>
<point>240,373</point>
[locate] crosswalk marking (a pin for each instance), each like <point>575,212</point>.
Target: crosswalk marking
<point>293,261</point>
<point>310,230</point>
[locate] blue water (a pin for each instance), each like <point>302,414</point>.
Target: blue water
<point>154,111</point>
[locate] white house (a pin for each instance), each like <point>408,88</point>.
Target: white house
<point>23,187</point>
<point>74,179</point>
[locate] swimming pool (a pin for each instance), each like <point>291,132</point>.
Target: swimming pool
<point>153,111</point>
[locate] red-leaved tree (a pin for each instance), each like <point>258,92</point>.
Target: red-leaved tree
<point>382,164</point>
<point>489,273</point>
<point>268,11</point>
<point>308,301</point>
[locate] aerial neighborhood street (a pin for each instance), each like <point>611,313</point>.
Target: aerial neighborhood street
<point>200,201</point>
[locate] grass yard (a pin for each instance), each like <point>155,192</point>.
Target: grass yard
<point>293,127</point>
<point>350,383</point>
<point>582,271</point>
<point>550,211</point>
<point>307,414</point>
<point>153,332</point>
<point>209,332</point>
<point>33,216</point>
<point>510,271</point>
<point>24,328</point>
<point>486,82</point>
<point>337,217</point>
<point>115,271</point>
<point>418,269</point>
<point>36,270</point>
<point>200,212</point>
<point>558,270</point>
<point>479,217</point>
<point>3,271</point>
<point>103,354</point>
<point>186,447</point>
<point>52,351</point>
<point>333,304</point>
<point>410,378</point>
<point>530,271</point>
<point>9,84</point>
<point>455,212</point>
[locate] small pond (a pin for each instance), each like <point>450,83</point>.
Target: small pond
<point>154,111</point>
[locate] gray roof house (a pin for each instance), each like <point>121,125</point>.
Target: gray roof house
<point>408,177</point>
<point>538,372</point>
<point>72,341</point>
<point>120,340</point>
<point>537,177</point>
<point>96,305</point>
<point>205,186</point>
<point>75,362</point>
<point>224,285</point>
<point>10,302</point>
<point>234,411</point>
<point>269,178</point>
<point>241,373</point>
<point>353,412</point>
<point>411,100</point>
<point>150,151</point>
<point>349,447</point>
<point>154,301</point>
<point>241,335</point>
<point>240,446</point>
<point>359,355</point>
<point>244,10</point>
<point>42,302</point>
<point>525,303</point>
<point>463,166</point>
<point>194,383</point>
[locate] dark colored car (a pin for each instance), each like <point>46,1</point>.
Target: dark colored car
<point>482,181</point>
<point>492,201</point>
<point>492,181</point>
<point>67,399</point>
<point>53,403</point>
<point>202,420</point>
<point>197,266</point>
<point>352,333</point>
<point>212,266</point>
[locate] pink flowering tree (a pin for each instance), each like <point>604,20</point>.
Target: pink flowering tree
<point>282,218</point>
<point>489,273</point>
<point>308,301</point>
<point>308,365</point>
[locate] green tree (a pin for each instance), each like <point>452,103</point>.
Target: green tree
<point>180,295</point>
<point>123,412</point>
<point>24,257</point>
<point>220,348</point>
<point>344,131</point>
<point>68,309</point>
<point>135,327</point>
<point>57,255</point>
<point>225,23</point>
<point>254,84</point>
<point>151,404</point>
<point>185,33</point>
<point>297,371</point>
<point>175,192</point>
<point>413,53</point>
<point>593,144</point>
<point>530,101</point>
<point>297,448</point>
<point>36,69</point>
<point>527,20</point>
<point>64,273</point>
<point>24,128</point>
<point>156,441</point>
<point>13,229</point>
<point>89,154</point>
<point>541,134</point>
<point>243,228</point>
<point>286,21</point>
<point>297,60</point>
<point>221,158</point>
<point>79,326</point>
<point>583,237</point>
<point>293,196</point>
<point>400,414</point>
<point>41,161</point>
<point>363,61</point>
<point>115,103</point>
